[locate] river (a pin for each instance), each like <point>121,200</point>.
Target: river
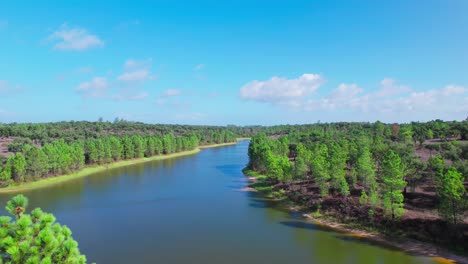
<point>192,210</point>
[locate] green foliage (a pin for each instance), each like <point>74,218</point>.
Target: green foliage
<point>392,185</point>
<point>258,152</point>
<point>451,193</point>
<point>337,158</point>
<point>319,166</point>
<point>363,199</point>
<point>300,168</point>
<point>374,199</point>
<point>365,168</point>
<point>36,161</point>
<point>17,205</point>
<point>406,133</point>
<point>35,238</point>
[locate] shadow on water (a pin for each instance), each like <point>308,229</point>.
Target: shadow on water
<point>343,236</point>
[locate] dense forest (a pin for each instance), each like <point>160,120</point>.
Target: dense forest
<point>400,179</point>
<point>29,152</point>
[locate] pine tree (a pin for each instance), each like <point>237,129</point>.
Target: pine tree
<point>451,193</point>
<point>319,167</point>
<point>19,167</point>
<point>35,238</point>
<point>393,184</point>
<point>337,168</point>
<point>365,168</point>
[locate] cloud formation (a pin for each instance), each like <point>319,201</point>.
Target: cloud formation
<point>131,82</point>
<point>450,100</point>
<point>74,39</point>
<point>390,87</point>
<point>391,101</point>
<point>279,89</point>
<point>95,88</point>
<point>135,76</point>
<point>136,71</point>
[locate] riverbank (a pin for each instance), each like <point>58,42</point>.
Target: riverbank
<point>411,246</point>
<point>217,145</point>
<point>87,171</point>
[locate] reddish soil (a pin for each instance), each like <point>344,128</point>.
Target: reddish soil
<point>420,221</point>
<point>4,141</point>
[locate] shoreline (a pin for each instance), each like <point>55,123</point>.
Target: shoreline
<point>87,171</point>
<point>410,246</point>
<point>217,145</point>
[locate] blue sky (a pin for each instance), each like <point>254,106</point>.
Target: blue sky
<point>245,62</point>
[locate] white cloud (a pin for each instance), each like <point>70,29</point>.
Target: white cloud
<point>136,71</point>
<point>391,102</point>
<point>389,87</point>
<point>135,76</point>
<point>171,93</point>
<point>199,67</point>
<point>446,103</point>
<point>132,64</point>
<point>279,89</point>
<point>131,82</point>
<point>446,99</point>
<point>345,96</point>
<point>95,88</point>
<point>76,39</point>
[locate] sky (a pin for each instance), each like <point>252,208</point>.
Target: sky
<point>234,62</point>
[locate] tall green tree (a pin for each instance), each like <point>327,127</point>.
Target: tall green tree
<point>300,163</point>
<point>393,184</point>
<point>319,167</point>
<point>365,168</point>
<point>19,167</point>
<point>258,149</point>
<point>338,157</point>
<point>6,173</point>
<point>451,192</point>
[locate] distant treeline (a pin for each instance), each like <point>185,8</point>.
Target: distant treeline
<point>80,130</point>
<point>44,150</point>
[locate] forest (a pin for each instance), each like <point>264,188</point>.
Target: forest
<point>403,180</point>
<point>30,152</point>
